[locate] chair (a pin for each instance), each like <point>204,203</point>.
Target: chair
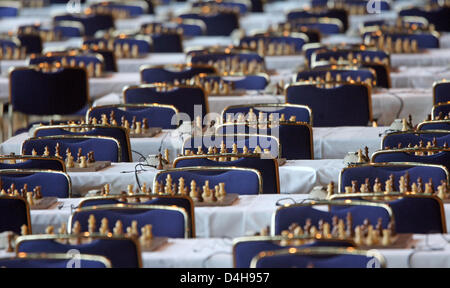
<point>358,74</point>
<point>340,14</point>
<point>440,110</point>
<point>217,24</point>
<point>18,207</point>
<point>441,156</point>
<point>325,26</point>
<point>238,180</point>
<point>383,171</point>
<point>91,22</point>
<point>9,9</point>
<point>302,113</point>
<point>122,252</point>
<point>240,82</point>
<point>158,115</point>
<point>109,58</point>
<point>191,27</point>
<point>267,167</point>
<point>434,125</point>
<point>53,183</point>
<point>170,73</point>
<point>245,248</point>
<point>120,134</point>
<point>104,148</point>
<point>54,260</point>
<point>296,138</point>
<point>341,104</point>
<point>437,16</point>
<point>318,257</point>
<point>167,43</point>
<point>31,162</point>
<point>296,39</point>
<point>182,97</point>
<point>32,42</point>
<point>404,139</point>
<point>181,201</point>
<point>441,91</point>
<point>285,215</point>
<point>166,221</point>
<point>132,9</point>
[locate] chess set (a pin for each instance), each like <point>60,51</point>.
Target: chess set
<point>232,66</point>
<point>216,88</point>
<point>356,57</point>
<point>13,53</point>
<point>366,236</point>
<point>137,129</point>
<point>82,164</point>
<point>34,198</point>
<point>442,116</point>
<point>265,47</point>
<point>93,70</point>
<point>121,51</point>
<point>354,9</point>
<point>420,149</point>
<point>385,42</point>
<point>216,196</point>
<point>261,118</point>
<point>115,12</point>
<point>47,35</point>
<point>158,28</point>
<point>338,78</point>
<point>33,3</point>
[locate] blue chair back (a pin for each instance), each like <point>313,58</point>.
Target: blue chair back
<point>425,40</point>
<point>192,28</point>
<point>437,16</point>
<point>407,155</point>
<point>54,261</point>
<point>7,11</point>
<point>36,92</point>
<point>238,180</point>
<point>166,221</point>
<point>32,162</point>
<point>18,207</point>
<point>392,140</point>
<point>267,167</point>
<point>166,74</point>
<point>244,82</point>
<point>434,125</point>
<point>296,39</point>
<point>347,104</point>
<point>9,42</point>
<point>91,22</point>
<point>109,58</point>
<point>441,92</point>
<point>53,183</point>
<point>217,24</point>
<point>121,251</point>
<point>118,133</point>
<point>68,29</point>
<point>302,113</point>
<point>240,7</point>
<point>340,14</point>
<point>205,57</point>
<point>184,98</point>
<point>363,74</point>
<point>441,110</point>
<point>167,43</point>
<point>104,148</point>
<point>32,42</point>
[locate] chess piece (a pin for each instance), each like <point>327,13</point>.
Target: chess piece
<point>138,129</point>
<point>33,152</point>
<point>104,229</point>
<point>145,125</point>
<point>222,193</point>
<point>330,189</point>
<point>146,235</point>
<point>168,186</point>
<point>194,193</point>
<point>182,190</point>
<point>79,155</point>
<point>83,163</point>
<point>106,189</point>
<point>46,151</point>
<point>386,240</point>
<point>90,157</point>
<point>130,189</point>
<point>63,229</point>
<point>118,228</point>
<point>76,229</point>
<point>92,226</point>
<point>30,198</point>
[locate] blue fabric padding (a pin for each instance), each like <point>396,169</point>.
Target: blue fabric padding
<point>233,5</point>
<point>206,57</point>
<point>247,82</point>
<point>220,24</point>
<point>417,215</point>
<point>156,116</point>
<point>323,28</point>
<point>438,16</point>
<point>436,126</point>
<point>383,4</point>
<point>6,11</point>
<point>301,114</point>
<point>167,43</point>
<point>165,223</point>
<point>49,263</point>
<point>322,261</point>
<point>443,109</point>
<point>8,43</point>
<point>245,251</point>
<point>160,74</point>
<point>13,214</point>
<point>41,93</point>
<point>441,158</point>
<point>361,173</point>
<point>345,105</point>
<point>67,31</point>
<point>392,140</point>
<point>119,134</point>
<point>52,184</point>
<point>267,168</point>
<point>191,30</point>
<point>122,253</point>
<point>363,73</point>
<point>132,10</point>
<point>32,42</point>
<point>50,164</point>
<point>87,59</point>
<point>424,40</point>
<point>340,14</point>
<point>236,181</point>
<point>295,140</point>
<point>298,42</point>
<point>298,214</point>
<point>183,98</point>
<point>104,149</point>
<point>91,22</point>
<point>442,93</point>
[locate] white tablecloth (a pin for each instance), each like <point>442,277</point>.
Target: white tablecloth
<point>418,77</point>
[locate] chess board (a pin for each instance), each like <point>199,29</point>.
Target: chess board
<point>155,244</point>
<point>91,167</point>
<point>44,203</point>
<point>151,132</point>
<point>228,201</point>
<point>232,93</point>
<point>402,241</point>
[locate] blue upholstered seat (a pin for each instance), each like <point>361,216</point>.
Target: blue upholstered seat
<point>267,167</point>
<point>441,92</point>
<point>296,139</point>
<point>243,181</point>
<point>299,213</point>
<point>167,43</point>
<point>362,73</point>
<point>191,27</point>
<point>158,115</point>
<point>133,9</point>
<point>166,221</point>
<point>168,74</point>
<point>296,39</point>
<point>318,257</point>
<point>441,110</point>
<point>340,14</point>
<point>245,248</point>
<point>91,22</point>
<point>414,138</point>
<point>437,16</point>
<point>32,162</point>
<point>14,206</point>
<point>384,170</point>
<point>407,155</point>
<point>217,24</point>
<point>54,261</point>
<point>68,29</point>
<point>104,148</point>
<point>116,132</point>
<point>53,183</point>
<point>302,113</point>
<point>434,125</point>
<point>184,98</point>
<point>7,11</point>
<point>122,252</point>
<point>348,104</point>
<point>241,82</point>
